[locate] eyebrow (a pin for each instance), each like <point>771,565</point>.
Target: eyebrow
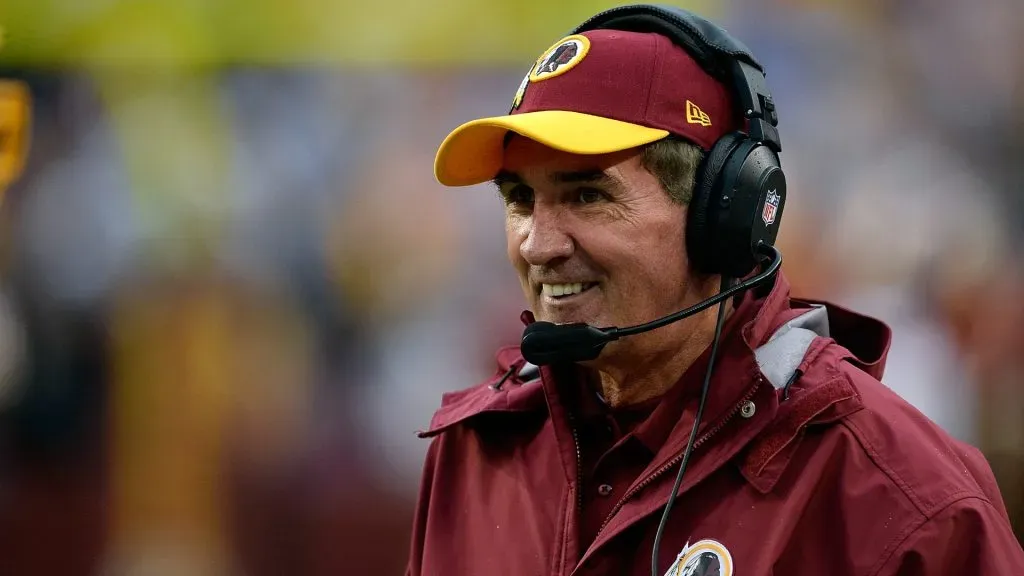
<point>589,176</point>
<point>506,177</point>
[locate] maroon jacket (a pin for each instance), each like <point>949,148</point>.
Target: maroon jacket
<point>839,476</point>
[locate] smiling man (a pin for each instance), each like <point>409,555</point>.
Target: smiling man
<point>596,239</point>
<point>629,196</point>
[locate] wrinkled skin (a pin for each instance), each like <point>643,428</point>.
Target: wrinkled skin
<point>606,221</point>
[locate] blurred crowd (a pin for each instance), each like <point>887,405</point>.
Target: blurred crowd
<point>231,297</point>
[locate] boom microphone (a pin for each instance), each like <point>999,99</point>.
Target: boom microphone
<point>546,343</point>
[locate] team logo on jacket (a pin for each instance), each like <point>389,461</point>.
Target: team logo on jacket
<point>771,208</point>
<point>560,58</point>
<point>702,558</point>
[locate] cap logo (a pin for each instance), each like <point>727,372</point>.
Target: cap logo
<point>560,58</point>
<point>694,115</point>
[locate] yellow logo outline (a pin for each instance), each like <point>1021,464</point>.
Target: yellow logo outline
<point>693,552</point>
<point>694,115</point>
<point>580,43</point>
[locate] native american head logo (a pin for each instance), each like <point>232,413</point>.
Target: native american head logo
<point>561,58</point>
<point>703,564</point>
<point>703,558</point>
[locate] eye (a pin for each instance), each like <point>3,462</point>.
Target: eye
<point>590,195</point>
<point>517,195</point>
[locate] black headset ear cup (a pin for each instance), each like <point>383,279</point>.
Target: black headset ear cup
<point>698,214</point>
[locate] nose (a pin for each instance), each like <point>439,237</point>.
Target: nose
<point>546,240</point>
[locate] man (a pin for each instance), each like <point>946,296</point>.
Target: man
<point>803,462</point>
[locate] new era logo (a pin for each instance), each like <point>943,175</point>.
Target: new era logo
<point>694,115</point>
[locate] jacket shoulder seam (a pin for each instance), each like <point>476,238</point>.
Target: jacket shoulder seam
<point>876,457</point>
<point>882,466</point>
<point>924,513</point>
<point>899,541</point>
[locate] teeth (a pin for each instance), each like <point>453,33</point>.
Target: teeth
<point>561,289</point>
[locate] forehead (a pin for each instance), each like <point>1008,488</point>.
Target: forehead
<point>530,160</point>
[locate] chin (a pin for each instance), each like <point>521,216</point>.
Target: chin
<point>594,317</point>
<point>561,319</point>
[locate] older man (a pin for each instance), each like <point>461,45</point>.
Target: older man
<point>639,172</point>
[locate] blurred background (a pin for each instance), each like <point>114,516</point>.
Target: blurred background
<point>232,290</point>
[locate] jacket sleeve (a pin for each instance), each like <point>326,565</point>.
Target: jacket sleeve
<point>414,567</point>
<point>970,536</point>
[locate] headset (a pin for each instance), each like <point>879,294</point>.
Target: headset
<point>742,170</point>
<point>733,219</point>
<point>740,190</point>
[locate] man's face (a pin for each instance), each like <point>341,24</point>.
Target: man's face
<point>594,239</point>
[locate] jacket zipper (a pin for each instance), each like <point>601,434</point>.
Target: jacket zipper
<point>676,460</point>
<point>579,473</point>
<point>579,478</point>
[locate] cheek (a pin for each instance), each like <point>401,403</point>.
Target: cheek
<point>669,258</point>
<point>671,243</point>
<point>515,235</point>
<point>650,260</point>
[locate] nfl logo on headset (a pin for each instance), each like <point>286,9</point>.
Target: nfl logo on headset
<point>771,208</point>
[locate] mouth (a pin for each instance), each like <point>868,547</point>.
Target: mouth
<point>564,292</point>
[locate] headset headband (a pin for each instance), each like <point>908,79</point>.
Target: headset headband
<point>721,55</point>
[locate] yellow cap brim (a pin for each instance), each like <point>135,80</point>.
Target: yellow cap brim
<point>473,153</point>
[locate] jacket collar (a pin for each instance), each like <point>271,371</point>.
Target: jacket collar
<point>756,316</point>
<point>513,386</point>
<point>517,386</point>
<point>736,379</point>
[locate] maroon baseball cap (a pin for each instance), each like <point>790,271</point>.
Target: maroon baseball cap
<point>593,93</point>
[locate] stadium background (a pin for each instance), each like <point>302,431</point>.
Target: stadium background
<point>233,291</point>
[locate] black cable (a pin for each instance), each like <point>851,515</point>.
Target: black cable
<point>693,433</point>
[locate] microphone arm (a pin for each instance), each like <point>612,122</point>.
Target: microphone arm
<point>546,343</point>
<point>776,261</point>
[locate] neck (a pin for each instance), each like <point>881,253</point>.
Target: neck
<point>636,377</point>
